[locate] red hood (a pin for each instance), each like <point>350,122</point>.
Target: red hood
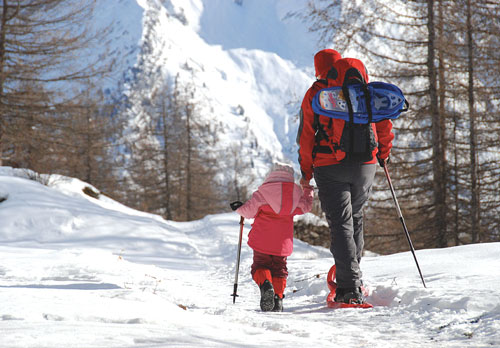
<point>323,61</point>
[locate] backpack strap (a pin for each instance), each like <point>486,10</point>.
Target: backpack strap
<point>368,101</point>
<point>367,96</point>
<point>345,91</point>
<point>321,134</point>
<point>352,76</point>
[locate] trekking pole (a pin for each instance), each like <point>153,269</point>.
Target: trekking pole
<point>242,219</point>
<point>402,221</point>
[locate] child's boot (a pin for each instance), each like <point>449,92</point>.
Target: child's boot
<point>263,278</point>
<point>279,285</point>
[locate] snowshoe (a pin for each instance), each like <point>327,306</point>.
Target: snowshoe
<point>266,296</point>
<point>349,295</point>
<point>347,298</point>
<point>386,102</point>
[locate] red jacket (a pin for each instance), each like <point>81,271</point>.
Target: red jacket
<point>334,127</point>
<point>273,206</point>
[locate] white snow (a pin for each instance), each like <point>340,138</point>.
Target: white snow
<point>82,272</point>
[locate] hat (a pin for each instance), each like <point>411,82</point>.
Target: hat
<point>282,167</point>
<point>323,61</point>
<point>280,172</point>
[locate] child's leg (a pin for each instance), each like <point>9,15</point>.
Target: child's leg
<point>261,274</point>
<point>279,273</point>
<point>279,285</point>
<point>261,266</point>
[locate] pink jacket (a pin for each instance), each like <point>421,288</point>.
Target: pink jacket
<point>273,206</point>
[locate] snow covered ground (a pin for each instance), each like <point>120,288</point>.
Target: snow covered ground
<point>82,272</point>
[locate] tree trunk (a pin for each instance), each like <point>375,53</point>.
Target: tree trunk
<point>475,233</point>
<point>166,198</point>
<point>2,77</point>
<point>188,164</point>
<point>438,163</point>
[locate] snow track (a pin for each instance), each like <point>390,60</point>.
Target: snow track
<point>122,278</point>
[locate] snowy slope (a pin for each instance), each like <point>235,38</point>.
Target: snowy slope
<point>251,64</point>
<point>82,272</point>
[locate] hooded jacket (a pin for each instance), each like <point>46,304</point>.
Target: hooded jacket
<point>273,206</point>
<point>306,138</point>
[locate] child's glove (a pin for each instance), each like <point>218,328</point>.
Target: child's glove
<point>235,205</point>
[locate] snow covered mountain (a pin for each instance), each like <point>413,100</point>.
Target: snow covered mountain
<point>250,61</point>
<point>78,271</point>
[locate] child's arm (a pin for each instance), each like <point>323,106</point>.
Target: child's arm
<point>251,207</point>
<point>306,201</point>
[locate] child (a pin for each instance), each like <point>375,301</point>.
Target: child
<point>273,206</point>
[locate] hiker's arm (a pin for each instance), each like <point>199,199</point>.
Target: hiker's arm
<point>305,137</point>
<point>385,137</point>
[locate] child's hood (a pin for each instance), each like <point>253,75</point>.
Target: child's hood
<point>280,192</point>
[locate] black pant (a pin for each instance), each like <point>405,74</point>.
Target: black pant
<point>343,190</point>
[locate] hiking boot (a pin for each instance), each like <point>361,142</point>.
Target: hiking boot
<point>278,303</point>
<point>266,296</point>
<point>349,295</point>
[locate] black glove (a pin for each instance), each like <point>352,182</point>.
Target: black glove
<point>383,162</point>
<point>235,205</point>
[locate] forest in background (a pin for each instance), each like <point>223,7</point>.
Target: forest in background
<point>445,160</point>
<point>445,164</point>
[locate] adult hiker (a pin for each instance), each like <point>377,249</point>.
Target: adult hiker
<point>344,178</point>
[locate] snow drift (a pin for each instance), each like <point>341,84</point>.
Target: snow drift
<point>77,271</point>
